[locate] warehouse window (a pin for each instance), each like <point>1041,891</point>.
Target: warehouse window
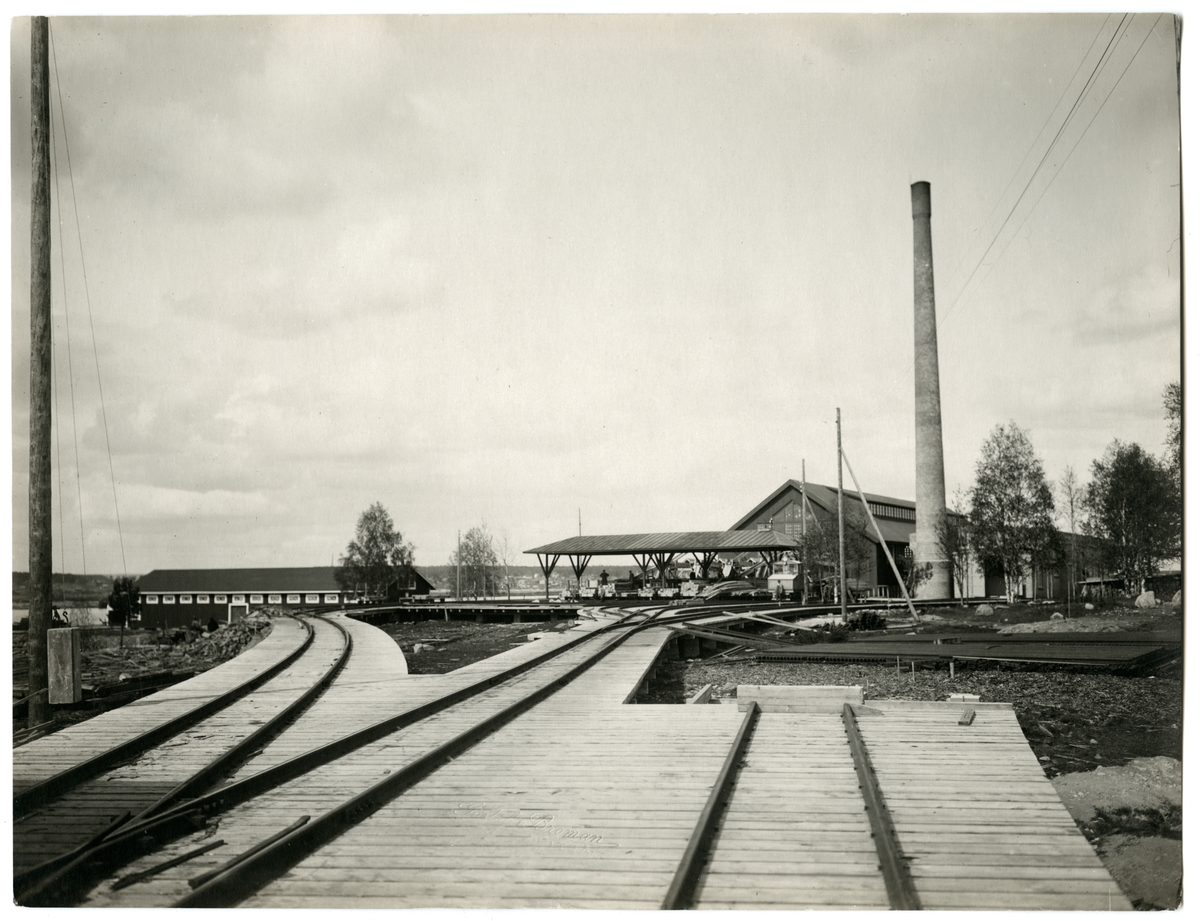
<point>185,599</point>
<point>152,599</point>
<point>275,599</point>
<point>202,599</point>
<point>256,599</point>
<point>312,599</point>
<point>168,599</point>
<point>239,599</point>
<point>221,599</point>
<point>331,599</point>
<point>293,599</point>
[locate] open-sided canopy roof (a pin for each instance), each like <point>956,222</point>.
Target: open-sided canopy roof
<point>679,542</point>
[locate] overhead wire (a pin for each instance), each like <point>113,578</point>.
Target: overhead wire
<point>88,298</point>
<point>1032,144</point>
<point>1059,169</point>
<point>71,381</point>
<point>939,320</point>
<point>1105,56</point>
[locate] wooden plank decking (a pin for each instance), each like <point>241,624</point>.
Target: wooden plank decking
<point>585,803</point>
<point>80,813</point>
<point>981,824</point>
<point>795,834</point>
<point>45,757</point>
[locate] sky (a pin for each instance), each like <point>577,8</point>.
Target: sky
<point>545,272</point>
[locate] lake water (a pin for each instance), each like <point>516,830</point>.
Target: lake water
<point>80,617</point>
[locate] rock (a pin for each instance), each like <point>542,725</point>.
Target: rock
<point>1056,616</point>
<point>985,610</point>
<point>1144,783</point>
<point>124,676</point>
<point>1177,598</point>
<point>1088,606</point>
<point>1146,600</point>
<point>1149,870</point>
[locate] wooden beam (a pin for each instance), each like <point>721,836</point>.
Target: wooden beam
<point>41,541</point>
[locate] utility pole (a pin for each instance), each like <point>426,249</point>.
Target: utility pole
<point>841,524</point>
<point>458,558</point>
<point>41,536</point>
<point>803,534</point>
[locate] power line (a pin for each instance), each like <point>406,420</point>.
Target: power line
<point>1100,63</point>
<point>1073,146</point>
<point>1032,144</point>
<point>71,381</point>
<point>88,296</point>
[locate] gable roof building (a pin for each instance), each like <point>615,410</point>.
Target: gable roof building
<point>782,511</point>
<point>177,597</point>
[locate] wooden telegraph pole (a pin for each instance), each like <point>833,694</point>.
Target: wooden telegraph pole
<point>841,524</point>
<point>41,539</point>
<point>803,534</point>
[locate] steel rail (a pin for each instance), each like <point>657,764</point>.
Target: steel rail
<point>902,892</point>
<point>228,762</point>
<point>681,893</point>
<point>141,838</point>
<point>249,876</point>
<point>52,787</point>
<point>126,881</point>
<point>70,883</point>
<point>51,880</point>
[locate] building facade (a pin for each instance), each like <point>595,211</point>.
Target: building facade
<point>869,574</point>
<point>179,597</point>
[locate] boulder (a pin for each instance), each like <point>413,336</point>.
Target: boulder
<point>1056,616</point>
<point>1177,598</point>
<point>1089,606</point>
<point>985,610</point>
<point>1146,600</point>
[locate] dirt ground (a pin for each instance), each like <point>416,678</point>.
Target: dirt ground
<point>433,647</point>
<point>107,664</point>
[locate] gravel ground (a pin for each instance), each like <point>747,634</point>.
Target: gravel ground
<point>433,647</point>
<point>1074,721</point>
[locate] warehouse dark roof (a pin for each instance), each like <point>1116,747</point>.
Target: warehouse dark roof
<point>302,579</point>
<point>898,532</point>
<point>670,542</point>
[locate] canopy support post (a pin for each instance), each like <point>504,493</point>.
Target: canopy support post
<point>547,561</point>
<point>579,562</point>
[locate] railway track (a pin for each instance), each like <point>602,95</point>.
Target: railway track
<point>469,797</point>
<point>86,822</point>
<point>170,762</point>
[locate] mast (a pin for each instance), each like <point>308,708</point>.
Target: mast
<point>841,524</point>
<point>41,538</point>
<point>803,534</point>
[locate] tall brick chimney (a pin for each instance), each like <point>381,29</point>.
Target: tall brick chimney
<point>931,476</point>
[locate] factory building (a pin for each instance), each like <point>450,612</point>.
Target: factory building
<point>868,575</point>
<point>177,597</point>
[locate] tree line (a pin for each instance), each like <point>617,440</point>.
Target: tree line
<point>377,558</point>
<point>1126,522</point>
